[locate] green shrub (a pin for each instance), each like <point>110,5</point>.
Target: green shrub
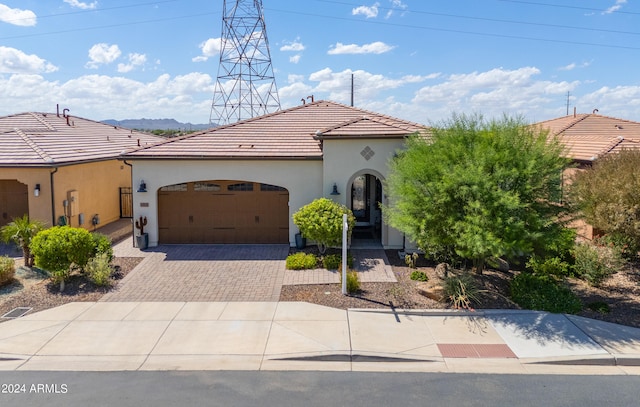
<point>102,244</point>
<point>461,290</point>
<point>301,261</point>
<point>543,293</point>
<point>7,270</point>
<point>61,248</point>
<point>550,266</point>
<point>98,270</point>
<point>334,261</point>
<point>321,221</point>
<point>594,263</point>
<point>599,306</point>
<point>627,247</point>
<point>418,275</point>
<point>353,281</point>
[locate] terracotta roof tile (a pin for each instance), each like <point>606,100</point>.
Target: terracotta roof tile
<point>44,139</point>
<point>286,134</point>
<point>589,136</point>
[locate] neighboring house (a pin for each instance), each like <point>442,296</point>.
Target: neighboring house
<point>61,169</point>
<point>588,137</point>
<point>241,183</point>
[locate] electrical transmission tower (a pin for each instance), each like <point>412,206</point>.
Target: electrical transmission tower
<point>246,86</point>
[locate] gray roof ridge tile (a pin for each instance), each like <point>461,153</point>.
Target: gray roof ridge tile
<point>42,120</point>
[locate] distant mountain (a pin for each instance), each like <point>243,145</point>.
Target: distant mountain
<point>156,124</point>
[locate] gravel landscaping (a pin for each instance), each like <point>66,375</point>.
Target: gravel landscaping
<point>620,292</point>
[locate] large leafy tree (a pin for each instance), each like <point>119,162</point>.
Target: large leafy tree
<point>477,189</point>
<point>608,195</point>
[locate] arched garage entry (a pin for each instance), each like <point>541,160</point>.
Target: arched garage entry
<point>14,200</point>
<point>223,211</point>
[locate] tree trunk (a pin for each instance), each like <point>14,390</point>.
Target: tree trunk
<point>478,265</point>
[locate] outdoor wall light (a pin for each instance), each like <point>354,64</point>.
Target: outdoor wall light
<point>143,186</point>
<point>36,191</point>
<point>335,190</point>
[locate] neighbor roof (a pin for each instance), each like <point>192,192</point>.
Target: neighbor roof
<point>589,136</point>
<point>49,139</point>
<point>295,133</point>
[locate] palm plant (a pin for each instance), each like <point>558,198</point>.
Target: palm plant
<point>21,231</point>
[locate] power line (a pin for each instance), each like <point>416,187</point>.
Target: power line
<point>94,10</point>
<point>517,37</point>
<point>570,7</point>
<point>495,20</point>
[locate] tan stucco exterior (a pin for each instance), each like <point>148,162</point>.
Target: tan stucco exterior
<point>96,187</point>
<point>305,180</point>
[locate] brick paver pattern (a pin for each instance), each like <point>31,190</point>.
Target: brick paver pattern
<point>227,272</point>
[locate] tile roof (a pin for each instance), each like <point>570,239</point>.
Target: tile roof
<point>294,133</point>
<point>46,139</point>
<point>589,136</point>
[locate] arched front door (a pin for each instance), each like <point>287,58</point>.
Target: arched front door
<point>366,197</point>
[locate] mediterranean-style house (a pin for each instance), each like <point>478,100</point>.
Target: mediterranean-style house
<point>241,183</point>
<point>62,169</point>
<point>588,137</point>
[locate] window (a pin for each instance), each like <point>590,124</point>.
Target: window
<point>174,188</point>
<point>267,187</point>
<point>242,186</point>
<point>206,187</point>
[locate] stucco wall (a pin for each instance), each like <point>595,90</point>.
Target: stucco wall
<point>344,161</point>
<point>97,185</point>
<point>40,206</point>
<point>303,180</point>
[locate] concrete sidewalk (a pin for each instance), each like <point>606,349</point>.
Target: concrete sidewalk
<point>300,336</point>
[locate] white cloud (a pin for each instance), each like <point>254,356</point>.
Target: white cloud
<point>367,11</point>
<point>295,46</point>
<point>395,5</point>
<point>16,16</point>
<point>99,97</point>
<point>295,59</point>
<point>15,61</point>
<point>209,48</point>
<point>377,47</point>
<point>101,54</point>
<point>573,65</point>
<point>82,5</point>
<point>493,93</point>
<point>135,60</point>
<point>615,7</point>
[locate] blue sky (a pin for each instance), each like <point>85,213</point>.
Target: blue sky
<point>419,60</point>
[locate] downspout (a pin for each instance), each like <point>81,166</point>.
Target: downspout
<point>53,200</point>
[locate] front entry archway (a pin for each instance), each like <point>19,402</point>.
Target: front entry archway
<point>365,202</point>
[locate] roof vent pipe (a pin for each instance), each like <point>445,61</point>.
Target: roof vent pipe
<point>304,102</point>
<point>64,112</point>
<point>595,111</point>
<point>57,110</point>
<point>574,112</point>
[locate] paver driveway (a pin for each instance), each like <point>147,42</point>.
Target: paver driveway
<point>203,273</point>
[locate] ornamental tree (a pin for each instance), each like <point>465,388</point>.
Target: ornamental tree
<point>608,195</point>
<point>477,189</point>
<point>321,221</point>
<point>21,231</point>
<point>61,248</point>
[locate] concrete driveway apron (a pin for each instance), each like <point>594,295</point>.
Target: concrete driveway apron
<point>202,273</point>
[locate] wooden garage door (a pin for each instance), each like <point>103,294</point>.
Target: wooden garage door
<point>14,201</point>
<point>223,212</point>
